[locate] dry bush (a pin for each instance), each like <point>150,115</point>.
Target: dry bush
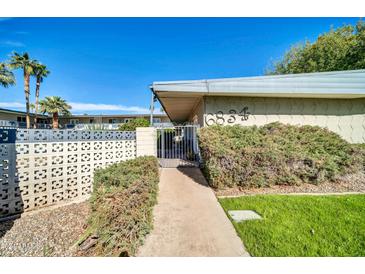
<point>121,208</point>
<point>275,154</point>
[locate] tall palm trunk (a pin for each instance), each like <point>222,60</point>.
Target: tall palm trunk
<point>37,101</point>
<point>55,120</point>
<point>27,93</point>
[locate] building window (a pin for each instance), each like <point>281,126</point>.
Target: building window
<point>91,121</point>
<point>20,119</point>
<point>74,121</point>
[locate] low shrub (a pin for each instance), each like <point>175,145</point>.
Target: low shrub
<point>274,154</point>
<point>133,124</point>
<point>361,147</point>
<point>121,208</point>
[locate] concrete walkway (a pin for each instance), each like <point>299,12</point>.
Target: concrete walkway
<point>188,220</point>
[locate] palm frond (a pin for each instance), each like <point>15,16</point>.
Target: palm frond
<point>21,61</point>
<point>6,76</point>
<point>54,104</point>
<point>40,71</point>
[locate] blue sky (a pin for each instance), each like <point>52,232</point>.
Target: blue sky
<point>105,65</point>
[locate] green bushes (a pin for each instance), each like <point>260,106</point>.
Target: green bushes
<point>274,154</point>
<point>121,208</point>
<point>133,124</point>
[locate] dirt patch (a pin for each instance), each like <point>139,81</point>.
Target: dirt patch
<point>348,183</point>
<point>46,233</point>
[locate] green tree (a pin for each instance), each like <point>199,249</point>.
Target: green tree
<point>133,124</point>
<point>55,106</point>
<point>39,72</point>
<point>23,61</point>
<point>339,49</point>
<point>6,76</point>
<point>32,107</point>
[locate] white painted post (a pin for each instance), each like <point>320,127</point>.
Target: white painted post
<point>146,141</point>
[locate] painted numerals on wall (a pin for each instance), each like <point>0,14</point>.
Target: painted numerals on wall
<point>233,116</point>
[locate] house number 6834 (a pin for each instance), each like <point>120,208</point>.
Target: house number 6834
<point>233,116</point>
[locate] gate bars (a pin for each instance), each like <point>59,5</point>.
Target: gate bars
<point>178,146</point>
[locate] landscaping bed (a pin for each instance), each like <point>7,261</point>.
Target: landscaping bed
<point>275,156</point>
<point>345,184</point>
<point>331,225</point>
<point>121,208</point>
<point>47,232</point>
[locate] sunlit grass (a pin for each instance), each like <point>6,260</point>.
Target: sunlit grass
<point>302,225</point>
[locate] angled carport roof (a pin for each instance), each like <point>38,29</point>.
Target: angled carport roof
<point>179,98</point>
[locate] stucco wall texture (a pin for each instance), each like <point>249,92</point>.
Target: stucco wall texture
<point>197,116</point>
<point>343,116</point>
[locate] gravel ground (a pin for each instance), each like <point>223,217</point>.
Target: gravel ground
<point>50,232</point>
<point>350,183</point>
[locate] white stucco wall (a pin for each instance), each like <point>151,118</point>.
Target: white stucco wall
<point>343,116</point>
<point>146,141</point>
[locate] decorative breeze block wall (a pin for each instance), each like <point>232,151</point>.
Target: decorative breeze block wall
<point>45,167</point>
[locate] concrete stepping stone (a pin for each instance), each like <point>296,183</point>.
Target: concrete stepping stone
<point>243,215</point>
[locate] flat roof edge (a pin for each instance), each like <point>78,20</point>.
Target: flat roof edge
<point>337,82</point>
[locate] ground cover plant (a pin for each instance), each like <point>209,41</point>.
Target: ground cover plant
<point>121,208</point>
<point>275,154</point>
<point>302,225</point>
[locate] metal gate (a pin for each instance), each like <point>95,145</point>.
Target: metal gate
<point>178,146</point>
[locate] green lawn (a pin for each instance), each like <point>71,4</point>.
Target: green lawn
<point>302,225</point>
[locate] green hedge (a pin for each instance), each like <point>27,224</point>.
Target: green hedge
<point>121,207</point>
<point>275,154</point>
<point>133,124</point>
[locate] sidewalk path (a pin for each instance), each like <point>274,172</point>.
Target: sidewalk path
<point>188,220</point>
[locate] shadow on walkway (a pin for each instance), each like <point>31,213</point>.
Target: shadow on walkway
<point>195,174</point>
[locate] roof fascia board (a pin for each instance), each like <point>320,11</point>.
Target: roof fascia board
<point>344,73</point>
<point>327,83</point>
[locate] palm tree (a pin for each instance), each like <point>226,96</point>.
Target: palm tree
<point>40,72</point>
<point>6,76</point>
<point>55,106</point>
<point>32,107</point>
<point>23,62</point>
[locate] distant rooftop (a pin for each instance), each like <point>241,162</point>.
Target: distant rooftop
<point>11,111</point>
<point>160,115</point>
<point>117,115</point>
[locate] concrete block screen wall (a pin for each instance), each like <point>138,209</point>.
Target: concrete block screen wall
<point>46,167</point>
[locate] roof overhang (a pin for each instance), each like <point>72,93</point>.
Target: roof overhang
<point>18,112</point>
<point>179,98</point>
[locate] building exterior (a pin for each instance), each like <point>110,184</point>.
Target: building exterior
<point>107,121</point>
<point>14,118</point>
<point>335,100</point>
